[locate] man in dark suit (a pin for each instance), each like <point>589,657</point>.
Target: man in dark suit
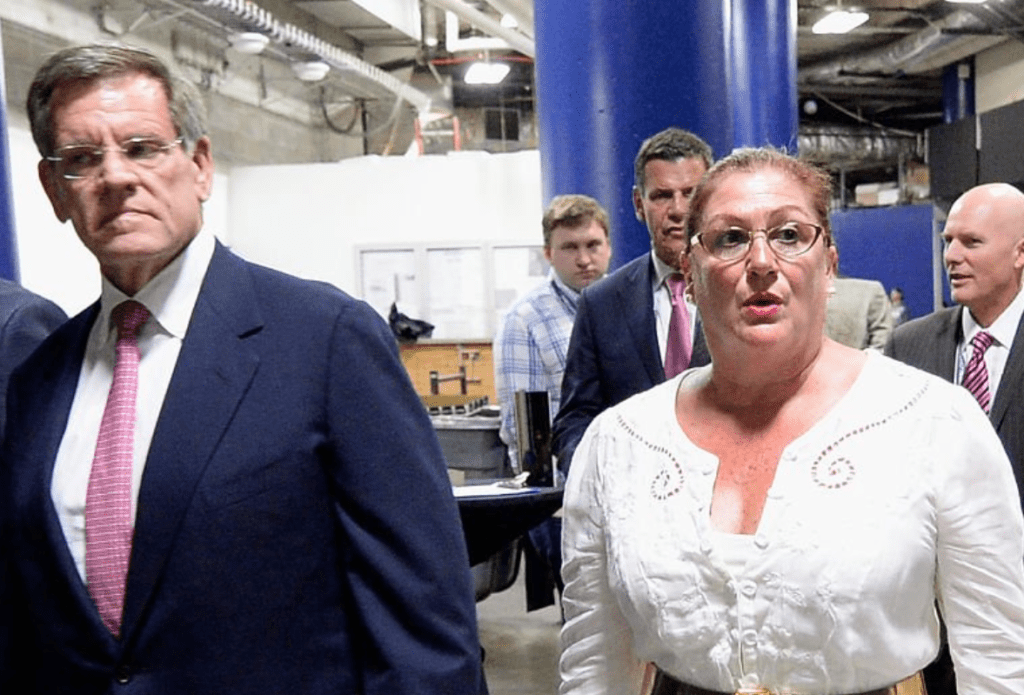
<point>25,319</point>
<point>984,257</point>
<point>286,524</point>
<point>620,335</point>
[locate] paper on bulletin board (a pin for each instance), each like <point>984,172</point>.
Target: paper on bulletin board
<point>456,298</point>
<point>389,276</point>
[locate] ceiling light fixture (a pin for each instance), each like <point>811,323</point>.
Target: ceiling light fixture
<point>311,71</point>
<point>966,2</point>
<point>839,22</point>
<point>248,42</point>
<point>486,73</point>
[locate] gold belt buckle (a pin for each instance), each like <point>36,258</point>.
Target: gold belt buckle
<point>759,690</point>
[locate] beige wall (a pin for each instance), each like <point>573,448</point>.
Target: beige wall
<point>1000,76</point>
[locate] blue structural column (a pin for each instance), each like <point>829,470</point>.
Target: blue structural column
<point>611,73</point>
<point>8,256</point>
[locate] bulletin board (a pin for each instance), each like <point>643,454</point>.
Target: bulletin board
<point>461,288</point>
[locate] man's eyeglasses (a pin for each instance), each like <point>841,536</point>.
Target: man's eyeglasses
<point>788,240</point>
<point>82,161</point>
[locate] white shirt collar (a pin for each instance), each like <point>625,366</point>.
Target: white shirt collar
<point>1003,329</point>
<point>661,270</point>
<point>172,293</point>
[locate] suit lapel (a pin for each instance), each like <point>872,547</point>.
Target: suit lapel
<point>55,391</point>
<point>637,305</point>
<point>1013,373</point>
<point>947,339</point>
<point>701,355</point>
<point>213,372</point>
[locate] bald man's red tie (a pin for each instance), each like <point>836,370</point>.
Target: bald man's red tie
<point>976,373</point>
<point>108,501</point>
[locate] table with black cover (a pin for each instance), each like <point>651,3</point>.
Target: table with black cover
<point>491,522</point>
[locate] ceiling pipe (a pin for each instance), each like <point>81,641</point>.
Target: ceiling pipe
<point>260,20</point>
<point>519,10</point>
<point>471,15</point>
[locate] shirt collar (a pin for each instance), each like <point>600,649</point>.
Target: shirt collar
<point>171,295</point>
<point>661,271</point>
<point>567,294</point>
<point>1003,329</point>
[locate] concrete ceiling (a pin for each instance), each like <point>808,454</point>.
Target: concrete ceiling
<point>885,77</point>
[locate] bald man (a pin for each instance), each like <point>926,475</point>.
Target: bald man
<point>984,258</point>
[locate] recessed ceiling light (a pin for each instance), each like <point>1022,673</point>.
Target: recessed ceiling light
<point>839,22</point>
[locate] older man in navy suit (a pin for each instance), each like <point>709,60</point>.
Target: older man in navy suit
<point>278,518</point>
<point>621,333</point>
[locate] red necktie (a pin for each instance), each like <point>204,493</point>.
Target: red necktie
<point>108,501</point>
<point>678,347</point>
<point>975,373</point>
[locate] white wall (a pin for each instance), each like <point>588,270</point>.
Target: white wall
<point>304,219</point>
<point>307,219</point>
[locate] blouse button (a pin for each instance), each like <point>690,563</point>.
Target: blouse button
<point>750,638</point>
<point>761,541</point>
<point>748,588</point>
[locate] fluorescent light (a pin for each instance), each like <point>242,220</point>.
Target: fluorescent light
<point>839,22</point>
<point>486,73</point>
<point>966,2</point>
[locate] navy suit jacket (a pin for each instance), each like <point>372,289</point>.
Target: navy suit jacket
<point>930,343</point>
<point>25,319</point>
<point>296,530</point>
<point>613,352</point>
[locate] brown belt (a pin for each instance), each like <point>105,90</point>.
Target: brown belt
<point>665,684</point>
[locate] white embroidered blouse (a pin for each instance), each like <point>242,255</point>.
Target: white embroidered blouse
<point>902,494</point>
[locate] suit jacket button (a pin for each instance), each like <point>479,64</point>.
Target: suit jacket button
<point>123,674</point>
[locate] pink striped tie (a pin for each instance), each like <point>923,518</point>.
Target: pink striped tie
<point>108,501</point>
<point>976,373</point>
<point>678,348</point>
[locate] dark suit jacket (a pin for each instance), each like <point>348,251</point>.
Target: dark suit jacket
<point>296,530</point>
<point>613,352</point>
<point>25,319</point>
<point>930,343</point>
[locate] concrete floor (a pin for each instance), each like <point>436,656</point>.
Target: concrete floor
<point>521,648</point>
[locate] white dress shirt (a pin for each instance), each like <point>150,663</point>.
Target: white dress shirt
<point>900,495</point>
<point>170,298</point>
<point>1003,329</point>
<point>663,305</point>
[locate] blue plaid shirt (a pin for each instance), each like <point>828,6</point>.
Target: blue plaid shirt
<point>530,349</point>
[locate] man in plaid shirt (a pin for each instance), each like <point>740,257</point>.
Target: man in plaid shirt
<point>530,347</point>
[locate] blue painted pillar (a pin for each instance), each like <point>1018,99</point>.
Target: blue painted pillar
<point>8,253</point>
<point>610,73</point>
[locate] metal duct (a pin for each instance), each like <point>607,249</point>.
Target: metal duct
<point>921,52</point>
<point>856,146</point>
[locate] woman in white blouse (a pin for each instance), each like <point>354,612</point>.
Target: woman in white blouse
<point>785,519</point>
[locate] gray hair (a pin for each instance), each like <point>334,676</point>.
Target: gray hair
<point>91,63</point>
